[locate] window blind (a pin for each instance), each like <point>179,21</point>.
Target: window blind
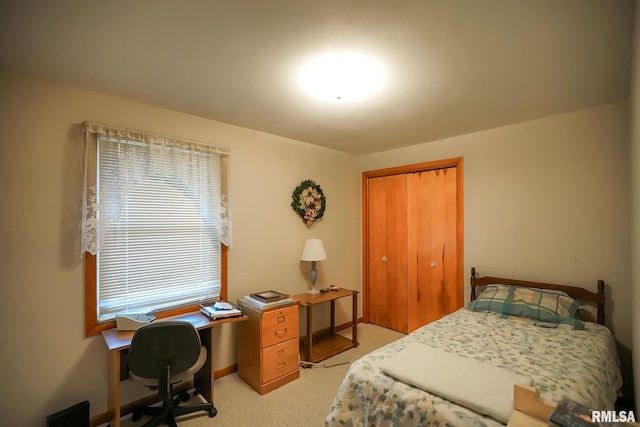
<point>164,249</point>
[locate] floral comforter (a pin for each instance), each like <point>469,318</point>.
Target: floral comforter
<point>580,364</point>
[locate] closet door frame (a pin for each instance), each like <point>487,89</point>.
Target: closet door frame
<point>397,170</point>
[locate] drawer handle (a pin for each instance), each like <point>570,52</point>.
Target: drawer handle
<point>281,319</point>
<point>282,365</point>
<point>281,333</point>
<point>280,353</point>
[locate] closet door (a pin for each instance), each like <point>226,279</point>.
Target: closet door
<point>412,243</point>
<point>433,283</point>
<point>387,251</point>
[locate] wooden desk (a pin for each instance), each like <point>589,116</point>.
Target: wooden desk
<point>118,343</point>
<point>332,344</point>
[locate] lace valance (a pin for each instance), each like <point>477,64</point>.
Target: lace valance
<point>200,167</point>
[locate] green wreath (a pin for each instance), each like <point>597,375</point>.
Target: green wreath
<point>308,201</point>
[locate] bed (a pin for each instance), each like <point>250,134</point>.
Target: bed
<point>561,356</point>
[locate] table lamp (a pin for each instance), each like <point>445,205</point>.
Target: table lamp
<point>313,251</point>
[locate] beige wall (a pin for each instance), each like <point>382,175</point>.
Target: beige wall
<point>46,363</point>
<point>546,200</point>
<point>635,199</point>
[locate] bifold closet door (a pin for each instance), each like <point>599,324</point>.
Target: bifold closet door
<point>433,289</point>
<point>387,251</point>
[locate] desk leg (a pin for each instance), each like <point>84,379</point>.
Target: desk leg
<point>204,378</point>
<point>354,319</point>
<point>309,333</point>
<point>332,328</point>
<point>113,385</point>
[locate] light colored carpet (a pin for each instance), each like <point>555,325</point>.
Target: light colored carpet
<point>304,402</point>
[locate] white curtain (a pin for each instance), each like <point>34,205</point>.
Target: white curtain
<point>139,156</point>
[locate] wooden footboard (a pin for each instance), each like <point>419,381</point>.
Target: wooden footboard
<point>578,293</point>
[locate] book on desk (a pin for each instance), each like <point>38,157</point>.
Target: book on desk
<point>220,310</point>
<point>268,296</point>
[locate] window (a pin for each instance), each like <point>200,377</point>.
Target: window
<point>155,224</point>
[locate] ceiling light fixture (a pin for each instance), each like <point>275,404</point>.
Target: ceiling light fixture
<point>342,76</point>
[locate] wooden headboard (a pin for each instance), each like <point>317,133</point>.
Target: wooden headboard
<point>573,291</point>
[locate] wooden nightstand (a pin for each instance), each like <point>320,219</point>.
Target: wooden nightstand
<point>267,346</point>
<point>316,350</point>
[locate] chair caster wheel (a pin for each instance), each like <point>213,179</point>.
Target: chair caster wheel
<point>136,415</point>
<point>213,412</point>
<point>184,396</point>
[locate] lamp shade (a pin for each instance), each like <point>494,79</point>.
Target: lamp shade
<point>313,250</point>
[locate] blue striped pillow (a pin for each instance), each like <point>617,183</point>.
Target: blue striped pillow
<point>548,306</point>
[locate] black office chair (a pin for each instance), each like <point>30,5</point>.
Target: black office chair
<point>162,354</point>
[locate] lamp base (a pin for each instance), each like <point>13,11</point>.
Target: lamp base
<point>313,291</point>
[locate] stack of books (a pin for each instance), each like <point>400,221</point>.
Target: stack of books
<point>266,299</point>
<point>220,310</point>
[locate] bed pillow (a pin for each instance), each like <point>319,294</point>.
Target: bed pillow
<point>546,306</point>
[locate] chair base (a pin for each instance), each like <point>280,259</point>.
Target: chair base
<point>170,410</point>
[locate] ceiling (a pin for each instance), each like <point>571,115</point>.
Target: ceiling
<point>452,66</point>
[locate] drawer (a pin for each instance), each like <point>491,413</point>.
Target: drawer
<point>279,325</point>
<point>279,359</point>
